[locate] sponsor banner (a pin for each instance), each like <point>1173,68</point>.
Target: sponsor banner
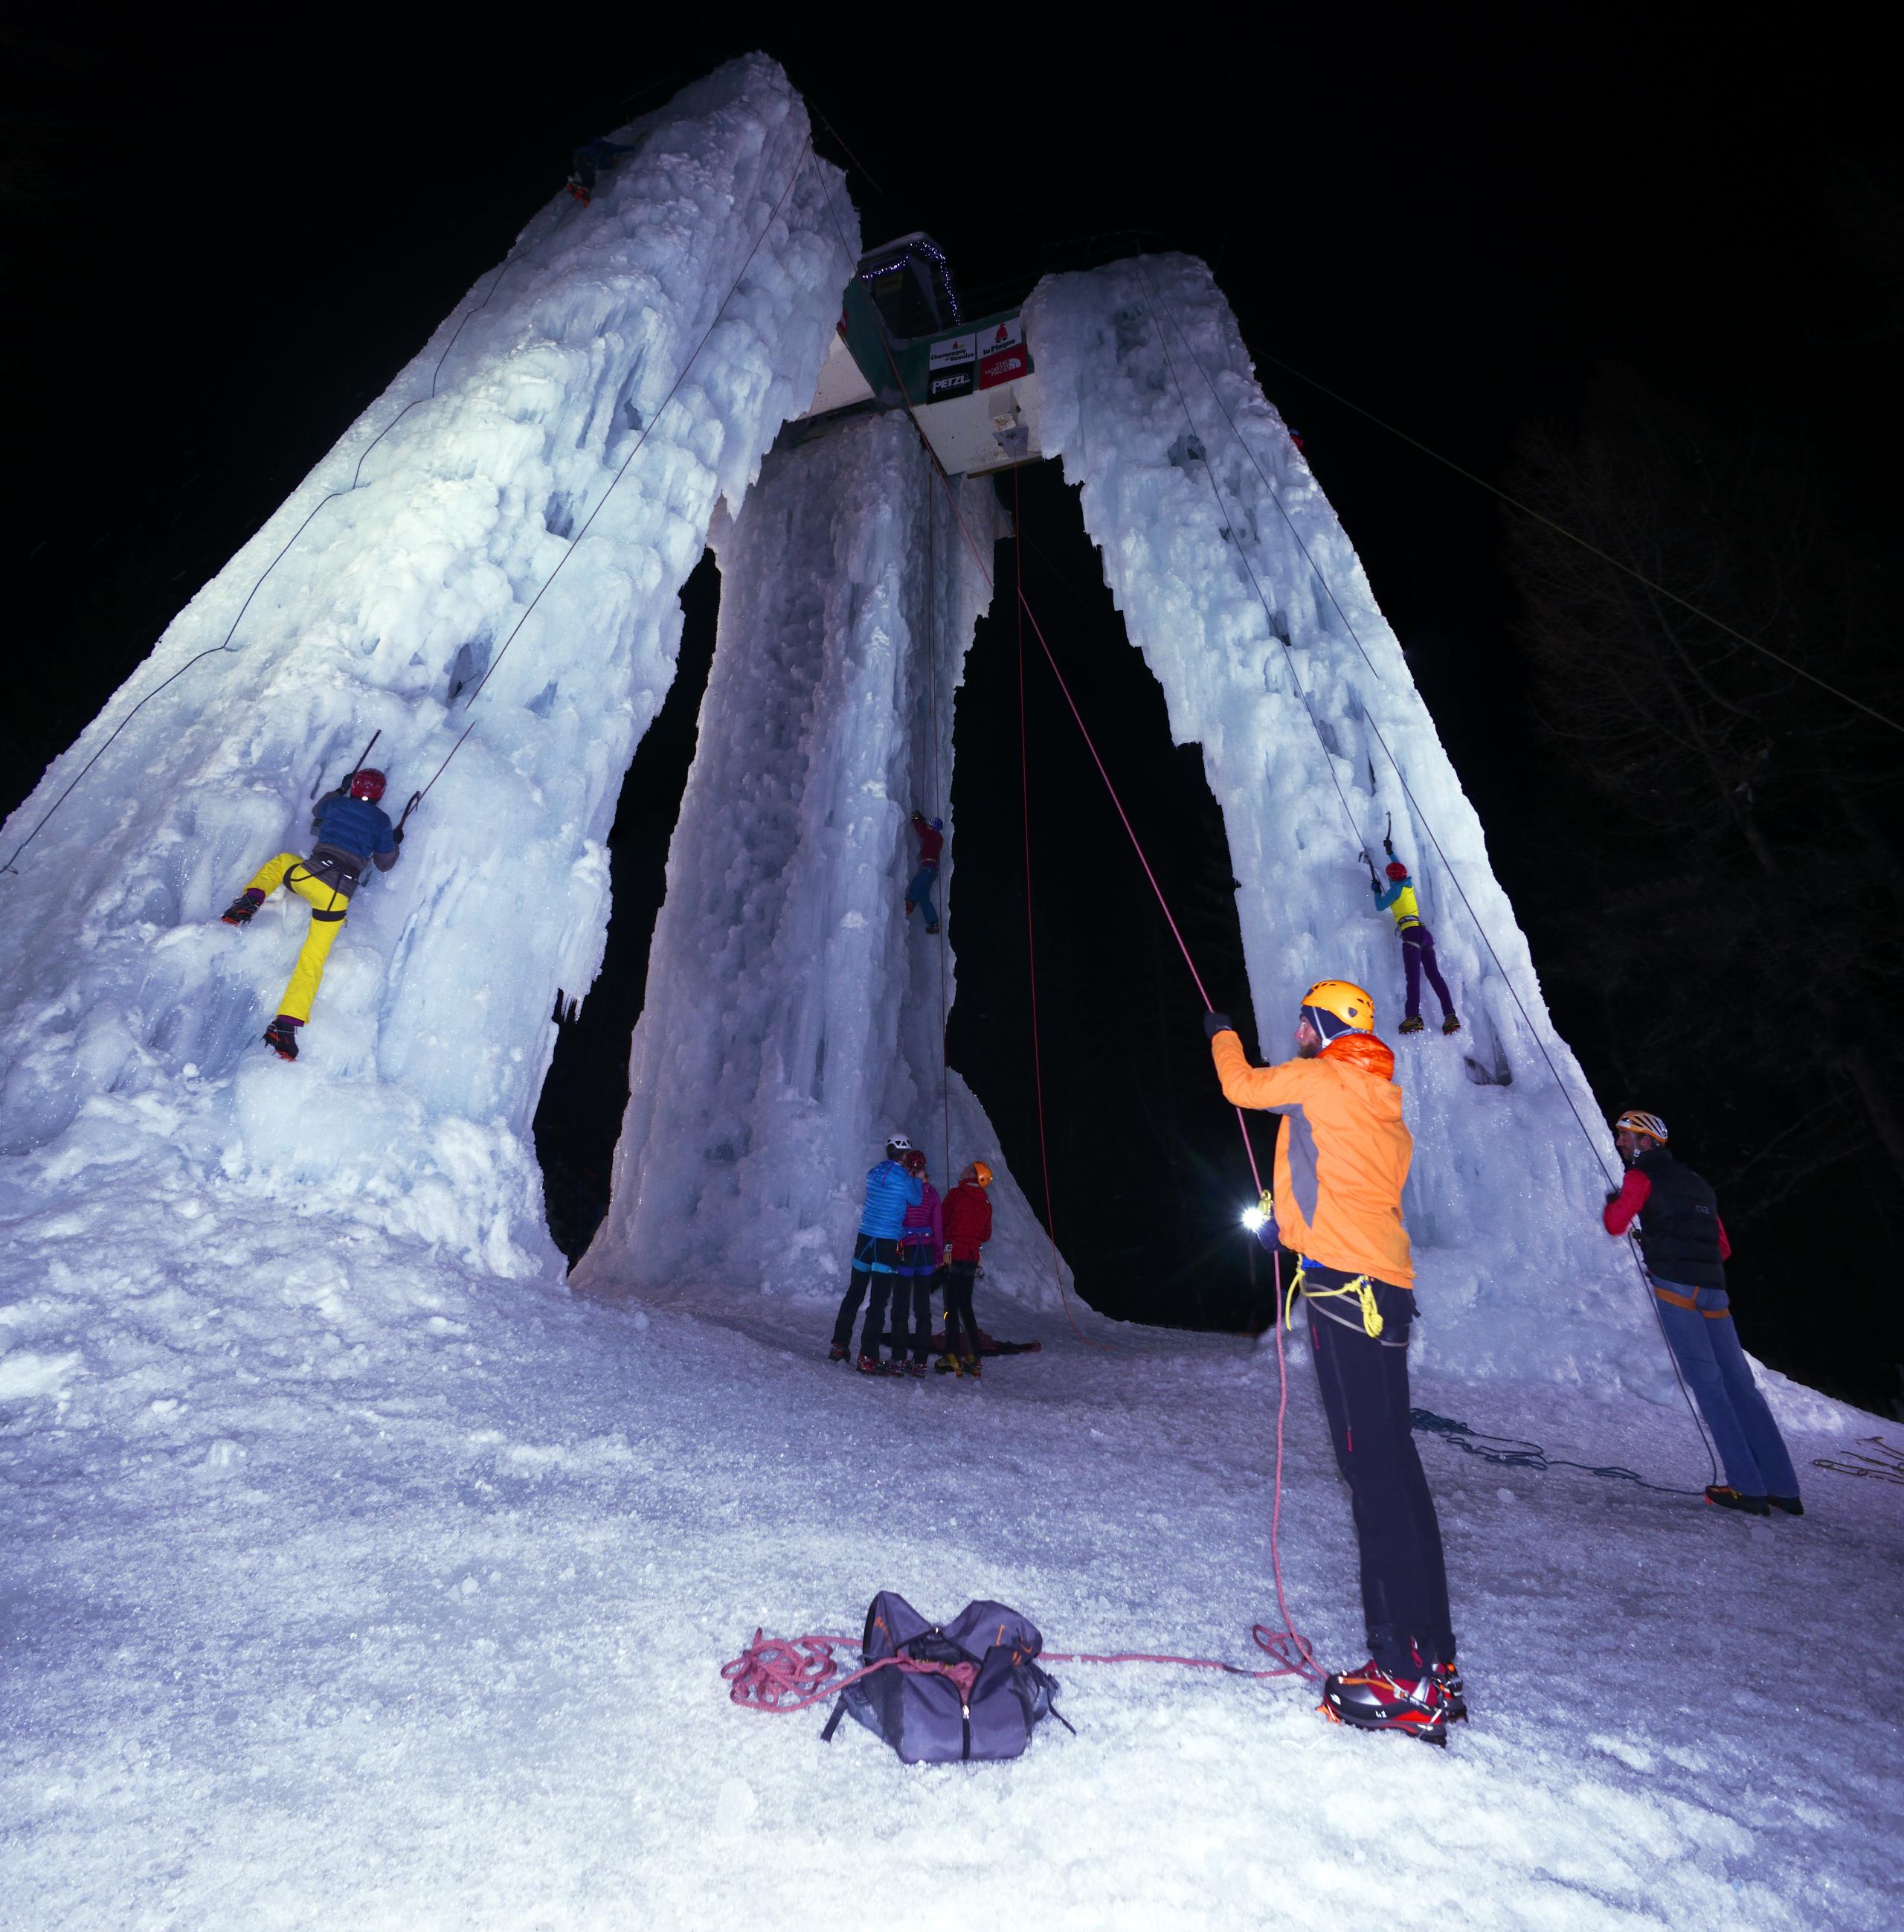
<point>1009,334</point>
<point>1003,365</point>
<point>942,385</point>
<point>952,349</point>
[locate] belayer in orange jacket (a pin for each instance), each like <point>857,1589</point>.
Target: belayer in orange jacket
<point>1342,1155</point>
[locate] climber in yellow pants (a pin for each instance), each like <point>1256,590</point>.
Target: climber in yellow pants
<point>351,832</point>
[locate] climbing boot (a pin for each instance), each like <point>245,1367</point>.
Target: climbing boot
<point>1411,1024</point>
<point>281,1036</point>
<point>1451,1024</point>
<point>836,1353</point>
<point>1369,1699</point>
<point>871,1365</point>
<point>968,1365</point>
<point>1448,1677</point>
<point>946,1365</point>
<point>917,1369</point>
<point>1726,1497</point>
<point>1791,1505</point>
<point>932,929</point>
<point>239,912</point>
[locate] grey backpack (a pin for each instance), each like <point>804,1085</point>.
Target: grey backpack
<point>947,1694</point>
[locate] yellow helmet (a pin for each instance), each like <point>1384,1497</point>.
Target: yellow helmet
<point>981,1174</point>
<point>1350,1004</point>
<point>1635,1122</point>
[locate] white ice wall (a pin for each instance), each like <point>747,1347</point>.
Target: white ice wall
<point>1516,1274</point>
<point>127,1013</point>
<point>793,1018</point>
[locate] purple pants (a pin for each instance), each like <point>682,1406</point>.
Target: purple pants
<point>1418,957</point>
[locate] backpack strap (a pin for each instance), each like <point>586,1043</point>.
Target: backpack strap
<point>833,1722</point>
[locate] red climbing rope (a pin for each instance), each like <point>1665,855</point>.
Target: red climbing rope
<point>778,1675</point>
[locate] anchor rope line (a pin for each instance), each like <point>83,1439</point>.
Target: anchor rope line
<point>934,808</point>
<point>640,442</point>
<point>1421,818</point>
<point>1593,549</point>
<point>330,496</point>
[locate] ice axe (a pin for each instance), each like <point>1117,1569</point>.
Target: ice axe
<point>1364,855</point>
<point>355,769</point>
<point>1388,836</point>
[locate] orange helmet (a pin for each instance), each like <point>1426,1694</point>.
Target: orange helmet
<point>982,1173</point>
<point>1349,1003</point>
<point>1635,1122</point>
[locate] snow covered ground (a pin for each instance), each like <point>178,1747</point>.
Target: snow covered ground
<point>345,1589</point>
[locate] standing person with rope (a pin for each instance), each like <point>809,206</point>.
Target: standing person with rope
<point>1682,1243</point>
<point>967,1219</point>
<point>1342,1154</point>
<point>352,832</point>
<point>931,832</point>
<point>890,1192</point>
<point>1417,947</point>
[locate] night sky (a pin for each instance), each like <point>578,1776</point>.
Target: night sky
<point>219,252</point>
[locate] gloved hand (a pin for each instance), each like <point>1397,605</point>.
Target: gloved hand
<point>1612,1195</point>
<point>1216,1023</point>
<point>397,838</point>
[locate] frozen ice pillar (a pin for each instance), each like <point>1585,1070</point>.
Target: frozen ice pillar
<point>1239,586</point>
<point>541,477</point>
<point>793,1014</point>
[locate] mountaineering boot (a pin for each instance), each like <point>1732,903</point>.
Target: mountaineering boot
<point>239,912</point>
<point>917,1369</point>
<point>1791,1505</point>
<point>1451,1024</point>
<point>836,1353</point>
<point>281,1036</point>
<point>968,1365</point>
<point>1369,1699</point>
<point>932,929</point>
<point>946,1365</point>
<point>1411,1024</point>
<point>871,1365</point>
<point>1726,1497</point>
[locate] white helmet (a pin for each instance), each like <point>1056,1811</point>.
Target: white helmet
<point>899,1142</point>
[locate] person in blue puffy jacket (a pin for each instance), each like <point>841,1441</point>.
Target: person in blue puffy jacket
<point>352,833</point>
<point>890,1192</point>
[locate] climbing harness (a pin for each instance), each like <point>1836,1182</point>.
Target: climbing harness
<point>1361,1290</point>
<point>1513,1453</point>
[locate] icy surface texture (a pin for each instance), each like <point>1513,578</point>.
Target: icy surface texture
<point>793,1016</point>
<point>669,328</point>
<point>1140,364</point>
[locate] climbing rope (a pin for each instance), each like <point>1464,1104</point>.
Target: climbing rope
<point>575,544</point>
<point>1421,817</point>
<point>1561,529</point>
<point>1513,1453</point>
<point>933,810</point>
<point>331,496</point>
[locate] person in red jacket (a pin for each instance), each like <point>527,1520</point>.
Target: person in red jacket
<point>967,1217</point>
<point>931,833</point>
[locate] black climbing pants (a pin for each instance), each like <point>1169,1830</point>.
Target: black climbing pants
<point>873,1259</point>
<point>958,1278</point>
<point>1364,1380</point>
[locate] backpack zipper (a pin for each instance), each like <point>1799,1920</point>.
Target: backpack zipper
<point>965,1715</point>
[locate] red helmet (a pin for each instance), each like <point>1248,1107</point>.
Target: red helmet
<point>914,1161</point>
<point>366,784</point>
<point>1396,870</point>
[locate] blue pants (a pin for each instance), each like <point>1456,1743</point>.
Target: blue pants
<point>912,1295</point>
<point>1706,1346</point>
<point>919,893</point>
<point>1418,958</point>
<point>875,1259</point>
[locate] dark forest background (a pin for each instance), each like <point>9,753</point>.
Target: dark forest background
<point>1648,278</point>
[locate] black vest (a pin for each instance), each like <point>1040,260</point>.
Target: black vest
<point>1679,1225</point>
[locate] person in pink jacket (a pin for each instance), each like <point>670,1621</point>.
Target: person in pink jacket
<point>921,1242</point>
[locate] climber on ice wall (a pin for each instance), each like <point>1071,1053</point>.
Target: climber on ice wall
<point>352,832</point>
<point>1342,1155</point>
<point>1417,949</point>
<point>931,832</point>
<point>1682,1243</point>
<point>588,163</point>
<point>890,1191</point>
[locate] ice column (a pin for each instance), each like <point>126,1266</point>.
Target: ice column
<point>1248,603</point>
<point>622,371</point>
<point>793,1014</point>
